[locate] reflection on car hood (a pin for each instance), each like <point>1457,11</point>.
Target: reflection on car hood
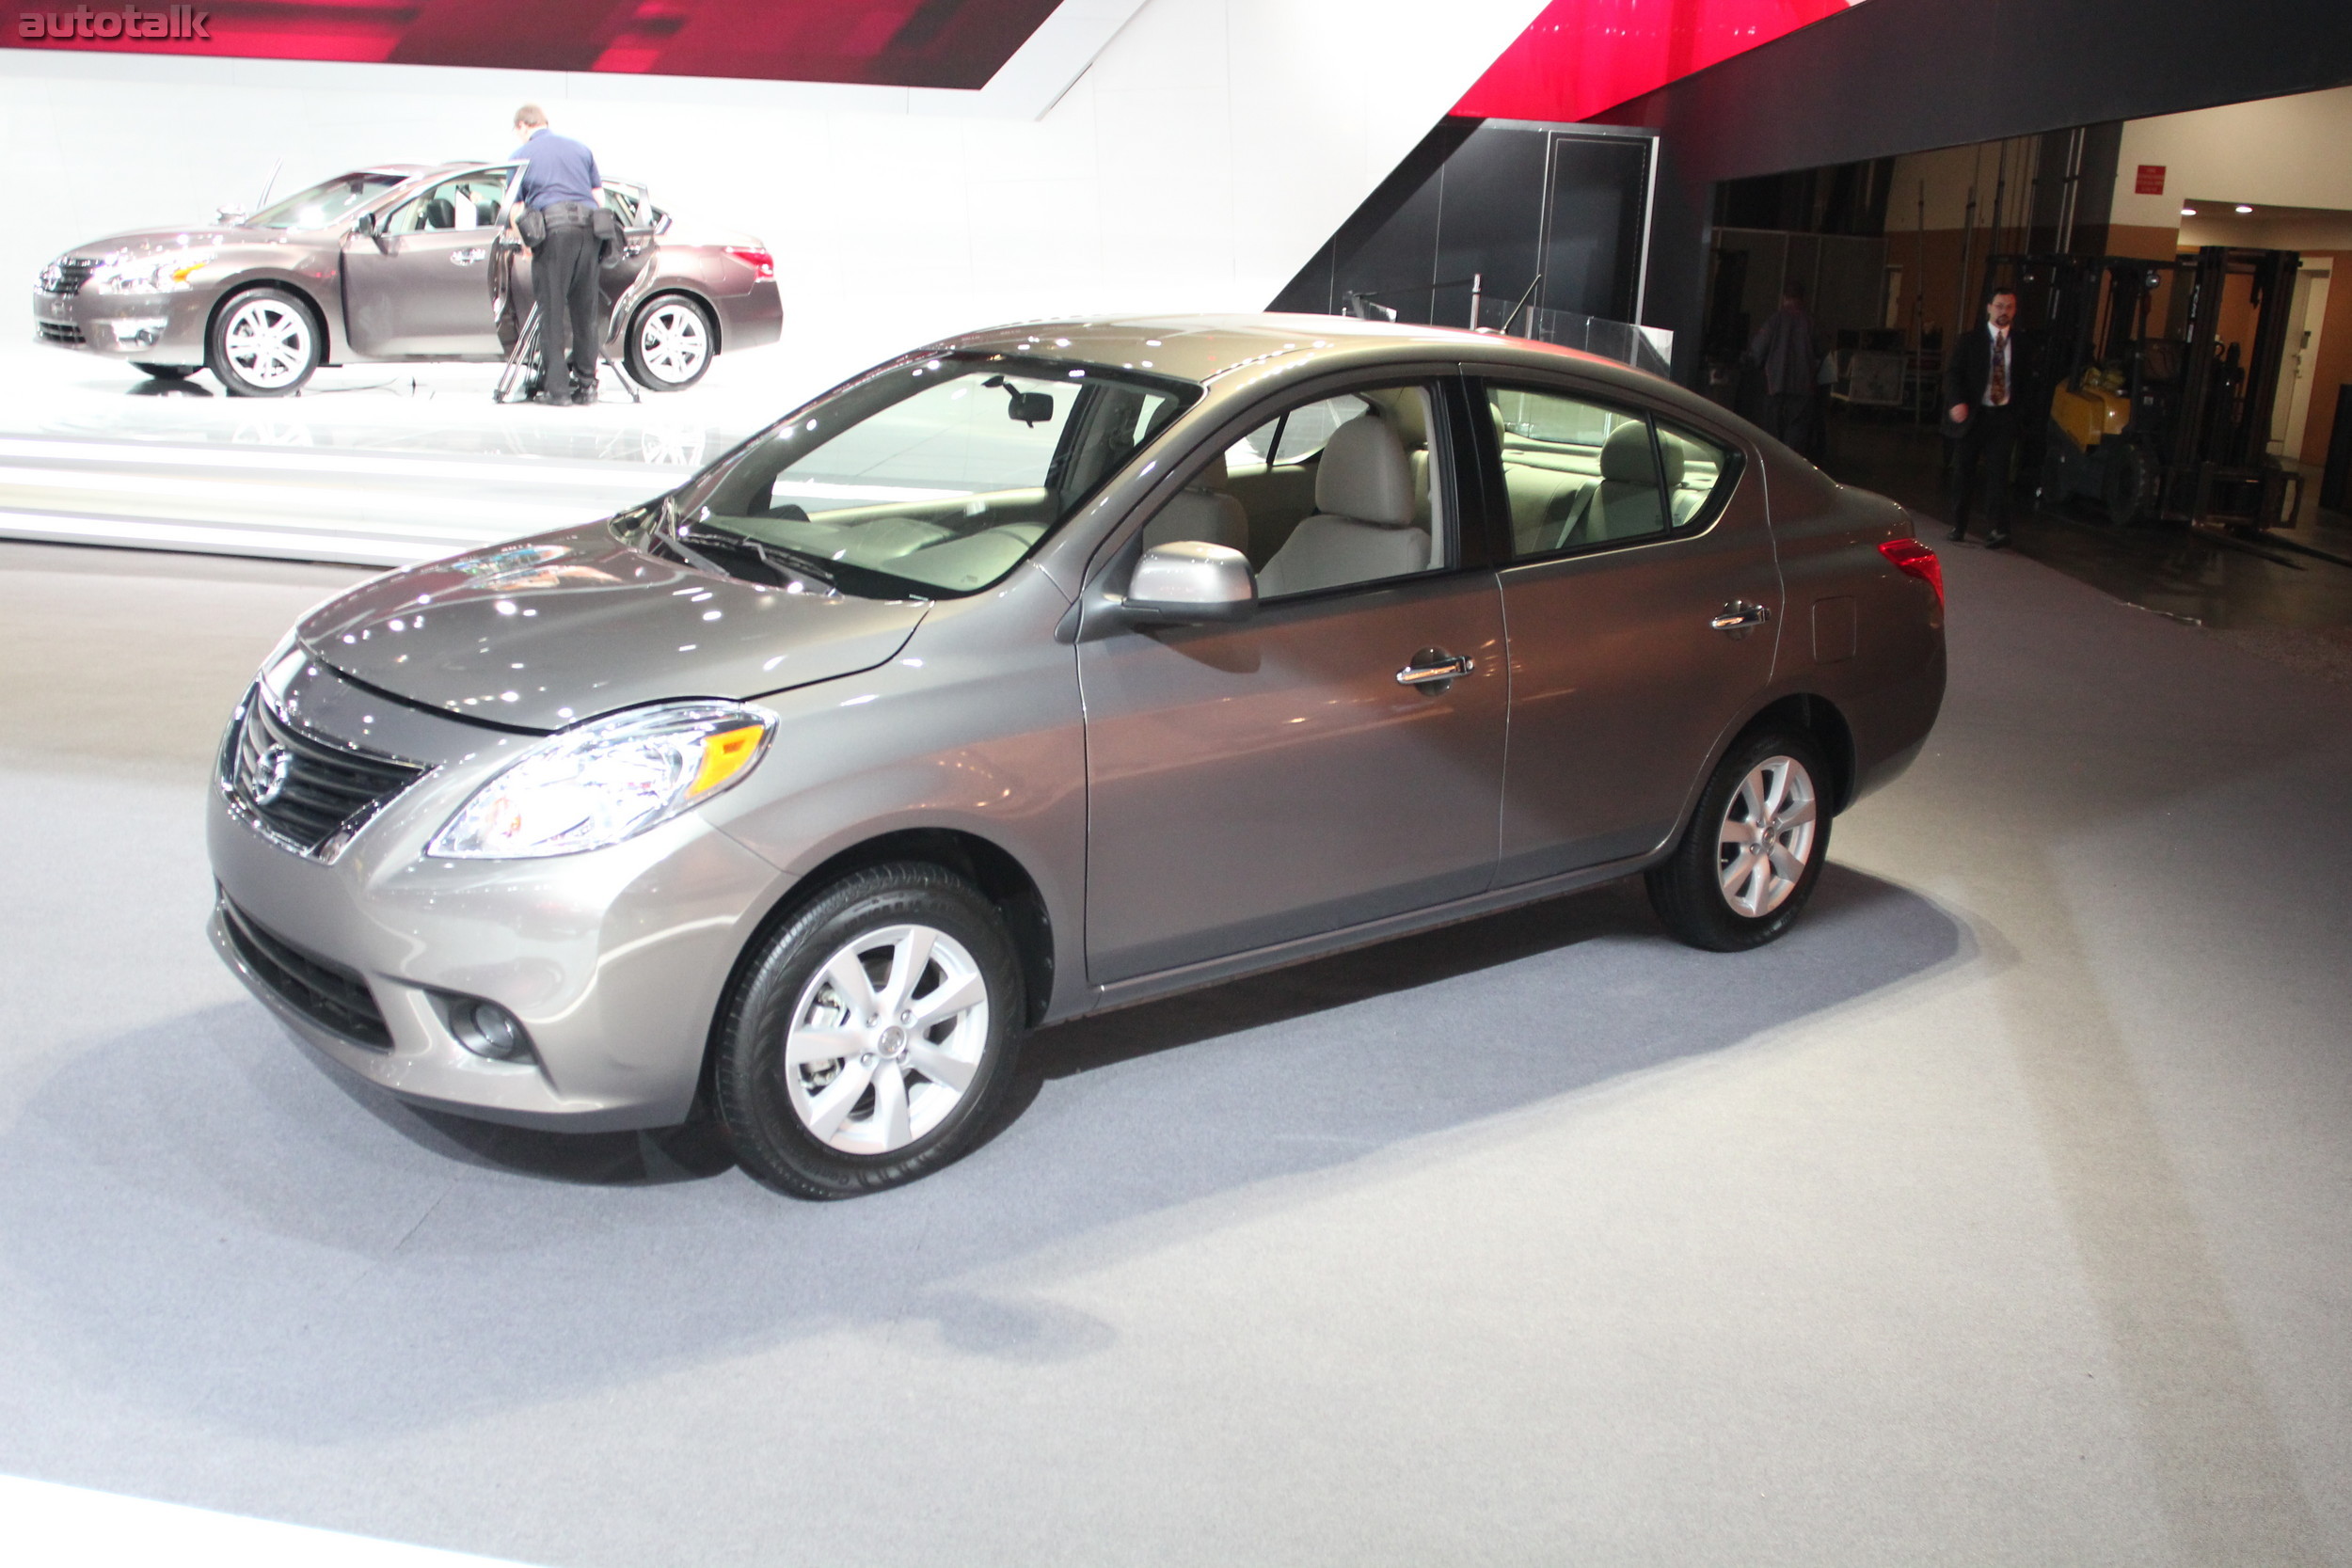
<point>551,630</point>
<point>194,236</point>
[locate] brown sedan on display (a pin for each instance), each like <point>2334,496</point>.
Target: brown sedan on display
<point>403,263</point>
<point>1041,671</point>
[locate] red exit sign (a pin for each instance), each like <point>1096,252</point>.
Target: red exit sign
<point>2151,182</point>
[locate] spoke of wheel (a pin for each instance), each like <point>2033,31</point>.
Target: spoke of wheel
<point>910,955</point>
<point>1751,798</point>
<point>1737,832</point>
<point>814,1042</point>
<point>832,1105</point>
<point>1777,790</point>
<point>1798,814</point>
<point>1786,862</point>
<point>849,978</point>
<point>954,997</point>
<point>936,1065</point>
<point>890,1106</point>
<point>1739,873</point>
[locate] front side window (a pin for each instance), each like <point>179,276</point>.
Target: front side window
<point>323,204</point>
<point>469,201</point>
<point>1329,493</point>
<point>930,478</point>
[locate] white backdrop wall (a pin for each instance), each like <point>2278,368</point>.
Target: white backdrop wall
<point>1198,161</point>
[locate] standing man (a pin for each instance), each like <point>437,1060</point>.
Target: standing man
<point>560,190</point>
<point>1789,347</point>
<point>1982,395</point>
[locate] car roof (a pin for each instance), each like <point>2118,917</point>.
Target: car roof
<point>1212,348</point>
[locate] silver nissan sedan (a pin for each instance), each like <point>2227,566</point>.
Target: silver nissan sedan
<point>1041,670</point>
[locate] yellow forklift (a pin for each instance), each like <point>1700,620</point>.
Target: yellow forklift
<point>2160,421</point>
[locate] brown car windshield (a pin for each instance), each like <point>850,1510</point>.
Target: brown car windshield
<point>323,204</point>
<point>933,478</point>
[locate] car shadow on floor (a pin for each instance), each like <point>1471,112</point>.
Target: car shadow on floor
<point>204,1221</point>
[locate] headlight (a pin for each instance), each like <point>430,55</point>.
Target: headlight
<point>150,274</point>
<point>607,781</point>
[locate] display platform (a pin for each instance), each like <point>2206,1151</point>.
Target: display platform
<point>371,464</point>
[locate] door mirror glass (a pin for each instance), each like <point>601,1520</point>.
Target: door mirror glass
<point>1188,580</point>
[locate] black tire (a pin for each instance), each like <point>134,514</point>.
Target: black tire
<point>263,342</point>
<point>2127,483</point>
<point>764,1101</point>
<point>163,373</point>
<point>1687,887</point>
<point>656,332</point>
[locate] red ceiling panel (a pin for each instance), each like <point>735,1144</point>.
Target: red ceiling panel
<point>1582,56</point>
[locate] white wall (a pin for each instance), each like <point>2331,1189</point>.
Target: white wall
<point>2292,151</point>
<point>1195,165</point>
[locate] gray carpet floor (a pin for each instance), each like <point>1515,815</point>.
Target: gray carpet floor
<point>2001,1215</point>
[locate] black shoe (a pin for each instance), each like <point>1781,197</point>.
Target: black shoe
<point>1958,533</point>
<point>554,399</point>
<point>1995,541</point>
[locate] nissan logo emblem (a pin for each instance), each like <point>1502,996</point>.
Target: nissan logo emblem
<point>266,781</point>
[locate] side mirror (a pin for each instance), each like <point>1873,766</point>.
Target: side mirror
<point>1186,582</point>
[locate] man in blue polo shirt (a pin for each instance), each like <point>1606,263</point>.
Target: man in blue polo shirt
<point>560,185</point>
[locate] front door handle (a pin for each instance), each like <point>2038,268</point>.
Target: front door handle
<point>1739,616</point>
<point>466,257</point>
<point>1436,668</point>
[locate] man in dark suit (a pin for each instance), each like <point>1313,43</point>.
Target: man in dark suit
<point>1787,347</point>
<point>1981,396</point>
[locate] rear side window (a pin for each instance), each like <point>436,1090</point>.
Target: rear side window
<point>1581,474</point>
<point>1700,472</point>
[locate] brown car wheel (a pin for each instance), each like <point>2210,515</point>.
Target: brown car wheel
<point>1746,865</point>
<point>873,1037</point>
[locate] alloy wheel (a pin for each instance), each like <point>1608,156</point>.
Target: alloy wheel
<point>673,343</point>
<point>1766,840</point>
<point>267,342</point>
<point>887,1037</point>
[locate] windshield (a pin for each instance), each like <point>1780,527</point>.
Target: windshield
<point>323,204</point>
<point>931,477</point>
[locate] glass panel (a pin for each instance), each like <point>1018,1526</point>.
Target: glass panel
<point>934,479</point>
<point>1577,473</point>
<point>1699,473</point>
<point>469,201</point>
<point>1326,510</point>
<point>323,204</point>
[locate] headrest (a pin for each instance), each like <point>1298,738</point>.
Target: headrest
<point>1364,475</point>
<point>1210,477</point>
<point>441,212</point>
<point>1625,457</point>
<point>1671,450</point>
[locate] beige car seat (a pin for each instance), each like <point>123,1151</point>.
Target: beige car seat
<point>1201,513</point>
<point>1364,527</point>
<point>1626,503</point>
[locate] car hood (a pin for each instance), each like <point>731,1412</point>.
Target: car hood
<point>196,236</point>
<point>551,630</point>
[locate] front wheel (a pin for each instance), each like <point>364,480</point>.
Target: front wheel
<point>873,1036</point>
<point>1747,863</point>
<point>670,343</point>
<point>263,344</point>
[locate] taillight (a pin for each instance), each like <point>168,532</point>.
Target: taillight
<point>762,264</point>
<point>1915,560</point>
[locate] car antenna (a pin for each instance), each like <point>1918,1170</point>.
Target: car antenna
<point>270,184</point>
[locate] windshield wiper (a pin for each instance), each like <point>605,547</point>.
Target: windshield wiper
<point>780,559</point>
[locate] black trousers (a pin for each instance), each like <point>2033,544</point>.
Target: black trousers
<point>1986,443</point>
<point>563,279</point>
<point>1790,416</point>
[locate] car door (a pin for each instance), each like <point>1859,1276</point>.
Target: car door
<point>1303,770</point>
<point>418,287</point>
<point>1644,603</point>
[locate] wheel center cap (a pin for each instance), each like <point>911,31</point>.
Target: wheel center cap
<point>893,1041</point>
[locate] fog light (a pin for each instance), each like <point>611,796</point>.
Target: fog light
<point>139,333</point>
<point>487,1029</point>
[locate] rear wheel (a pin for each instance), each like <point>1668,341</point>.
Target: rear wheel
<point>1746,866</point>
<point>263,344</point>
<point>874,1036</point>
<point>670,343</point>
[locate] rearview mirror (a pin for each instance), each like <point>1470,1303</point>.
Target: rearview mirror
<point>1031,408</point>
<point>1188,581</point>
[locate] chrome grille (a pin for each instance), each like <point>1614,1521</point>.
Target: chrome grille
<point>308,792</point>
<point>68,274</point>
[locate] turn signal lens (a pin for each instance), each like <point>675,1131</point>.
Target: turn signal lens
<point>1915,560</point>
<point>725,755</point>
<point>763,263</point>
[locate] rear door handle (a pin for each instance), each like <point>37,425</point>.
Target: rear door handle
<point>466,257</point>
<point>1432,667</point>
<point>1740,616</point>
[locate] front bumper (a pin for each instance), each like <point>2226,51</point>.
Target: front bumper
<point>613,960</point>
<point>164,329</point>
